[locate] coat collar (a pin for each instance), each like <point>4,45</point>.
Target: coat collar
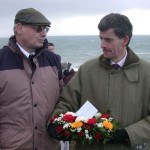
<point>131,59</point>
<point>14,47</point>
<point>130,66</point>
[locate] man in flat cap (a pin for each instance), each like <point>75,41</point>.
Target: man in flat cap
<point>30,83</point>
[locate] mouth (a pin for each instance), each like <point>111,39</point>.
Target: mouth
<point>41,40</point>
<point>107,51</point>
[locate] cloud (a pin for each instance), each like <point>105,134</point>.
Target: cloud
<point>139,19</point>
<point>75,17</point>
<point>66,8</point>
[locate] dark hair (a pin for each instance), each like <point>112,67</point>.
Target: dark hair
<point>50,44</point>
<point>119,23</point>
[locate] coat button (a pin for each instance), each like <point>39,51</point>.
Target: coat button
<point>35,105</point>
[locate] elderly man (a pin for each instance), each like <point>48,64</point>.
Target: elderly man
<point>30,83</point>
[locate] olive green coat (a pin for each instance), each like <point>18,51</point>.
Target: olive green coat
<point>126,91</point>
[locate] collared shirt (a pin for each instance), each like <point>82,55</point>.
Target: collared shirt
<point>121,62</point>
<point>24,51</point>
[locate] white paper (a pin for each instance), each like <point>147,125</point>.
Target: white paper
<point>64,145</point>
<point>87,110</point>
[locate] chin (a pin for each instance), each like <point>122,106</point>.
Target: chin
<point>107,56</point>
<point>40,45</point>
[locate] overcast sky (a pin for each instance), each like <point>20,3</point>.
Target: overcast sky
<point>77,17</point>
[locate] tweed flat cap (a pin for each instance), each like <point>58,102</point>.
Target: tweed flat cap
<point>31,16</point>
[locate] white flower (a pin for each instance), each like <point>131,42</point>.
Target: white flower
<point>66,125</point>
<point>88,137</point>
<point>99,125</point>
<point>110,119</point>
<point>70,113</point>
<point>81,118</point>
<point>97,115</point>
<point>61,115</point>
<point>58,119</point>
<point>86,131</point>
<point>72,130</point>
<point>79,129</point>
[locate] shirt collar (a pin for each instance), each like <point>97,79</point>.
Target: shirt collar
<point>121,62</point>
<point>25,52</point>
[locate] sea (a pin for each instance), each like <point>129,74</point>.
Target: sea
<point>78,49</point>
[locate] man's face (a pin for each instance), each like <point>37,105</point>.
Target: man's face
<point>32,37</point>
<point>113,47</point>
<point>51,48</point>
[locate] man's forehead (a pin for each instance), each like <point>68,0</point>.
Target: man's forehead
<point>107,34</point>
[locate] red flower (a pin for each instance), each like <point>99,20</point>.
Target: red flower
<point>81,134</point>
<point>92,121</point>
<point>74,131</point>
<point>53,118</point>
<point>87,126</point>
<point>66,133</point>
<point>98,136</point>
<point>59,129</point>
<point>69,118</point>
<point>105,115</point>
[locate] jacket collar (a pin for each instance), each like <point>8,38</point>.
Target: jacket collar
<point>14,47</point>
<point>130,66</point>
<point>131,60</point>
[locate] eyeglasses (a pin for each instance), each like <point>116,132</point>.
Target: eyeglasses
<point>39,28</point>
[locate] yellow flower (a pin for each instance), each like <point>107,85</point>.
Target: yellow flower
<point>107,124</point>
<point>77,124</point>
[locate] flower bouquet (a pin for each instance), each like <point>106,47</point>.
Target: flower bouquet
<point>99,128</point>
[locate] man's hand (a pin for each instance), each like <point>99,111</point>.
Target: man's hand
<point>52,132</point>
<point>120,137</point>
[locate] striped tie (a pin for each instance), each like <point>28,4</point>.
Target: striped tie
<point>115,66</point>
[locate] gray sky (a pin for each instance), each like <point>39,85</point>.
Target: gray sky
<point>77,17</point>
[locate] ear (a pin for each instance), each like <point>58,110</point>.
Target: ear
<point>19,28</point>
<point>125,41</point>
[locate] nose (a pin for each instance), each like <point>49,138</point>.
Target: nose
<point>103,43</point>
<point>44,30</point>
<point>43,33</point>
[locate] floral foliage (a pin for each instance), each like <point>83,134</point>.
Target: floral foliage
<point>100,128</point>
